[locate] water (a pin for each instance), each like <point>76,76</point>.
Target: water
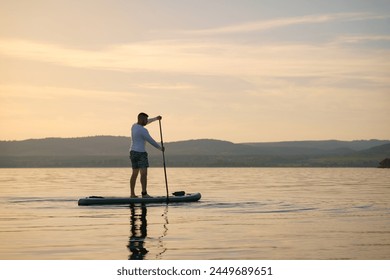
<point>259,213</point>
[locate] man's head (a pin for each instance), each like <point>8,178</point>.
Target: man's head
<point>142,119</point>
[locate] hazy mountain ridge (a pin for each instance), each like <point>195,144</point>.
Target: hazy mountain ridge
<point>93,145</point>
<point>112,151</point>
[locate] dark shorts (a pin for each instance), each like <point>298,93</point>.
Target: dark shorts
<point>139,159</point>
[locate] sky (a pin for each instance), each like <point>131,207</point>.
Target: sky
<point>241,71</point>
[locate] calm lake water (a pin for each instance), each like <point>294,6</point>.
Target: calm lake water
<point>259,213</point>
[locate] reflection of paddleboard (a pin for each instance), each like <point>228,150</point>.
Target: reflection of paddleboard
<point>177,197</point>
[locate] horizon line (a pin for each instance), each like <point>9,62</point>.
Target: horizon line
<point>197,139</point>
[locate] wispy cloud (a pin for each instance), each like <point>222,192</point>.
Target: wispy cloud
<point>284,22</point>
<point>209,58</point>
<point>165,86</point>
<point>362,38</point>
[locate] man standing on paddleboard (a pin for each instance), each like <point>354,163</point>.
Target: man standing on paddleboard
<point>138,154</point>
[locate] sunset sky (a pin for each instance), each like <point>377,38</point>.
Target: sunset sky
<point>242,71</point>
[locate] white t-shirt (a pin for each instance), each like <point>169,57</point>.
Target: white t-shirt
<point>140,135</point>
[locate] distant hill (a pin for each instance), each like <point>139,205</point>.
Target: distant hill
<point>377,150</point>
<point>112,151</point>
<point>91,146</point>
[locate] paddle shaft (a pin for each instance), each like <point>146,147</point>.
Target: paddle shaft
<point>163,154</point>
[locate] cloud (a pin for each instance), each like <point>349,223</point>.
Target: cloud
<point>361,38</point>
<point>208,58</point>
<point>196,56</point>
<point>284,22</point>
<point>165,86</point>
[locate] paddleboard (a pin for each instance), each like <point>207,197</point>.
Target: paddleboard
<point>100,200</point>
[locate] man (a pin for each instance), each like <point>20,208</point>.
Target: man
<point>138,154</point>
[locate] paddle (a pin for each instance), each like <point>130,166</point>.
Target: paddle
<point>163,154</point>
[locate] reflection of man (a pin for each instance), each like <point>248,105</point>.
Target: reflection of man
<point>138,154</point>
<point>138,234</point>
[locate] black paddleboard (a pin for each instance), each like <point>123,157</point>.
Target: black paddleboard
<point>176,197</point>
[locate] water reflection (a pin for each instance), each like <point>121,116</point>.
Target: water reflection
<point>139,233</point>
<point>161,246</point>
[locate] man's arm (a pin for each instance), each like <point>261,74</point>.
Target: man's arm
<point>150,120</point>
<point>151,141</point>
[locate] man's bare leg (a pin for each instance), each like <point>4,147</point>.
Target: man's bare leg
<point>144,180</point>
<point>133,180</point>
